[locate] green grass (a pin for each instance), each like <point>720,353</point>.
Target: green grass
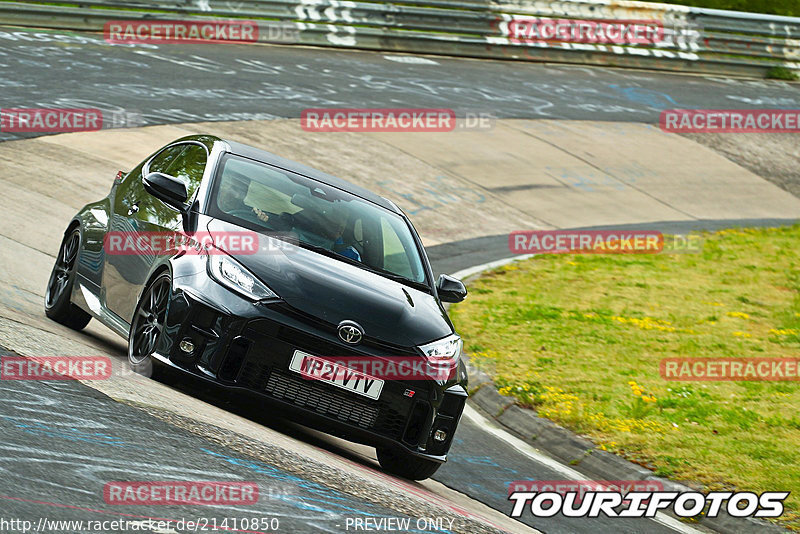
<point>579,338</point>
<point>781,73</point>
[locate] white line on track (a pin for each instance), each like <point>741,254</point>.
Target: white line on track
<point>465,273</point>
<point>550,463</point>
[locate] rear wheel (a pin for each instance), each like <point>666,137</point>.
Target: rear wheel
<point>57,303</point>
<point>148,325</point>
<point>406,465</point>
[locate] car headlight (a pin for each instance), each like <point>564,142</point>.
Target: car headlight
<point>235,277</point>
<point>445,350</point>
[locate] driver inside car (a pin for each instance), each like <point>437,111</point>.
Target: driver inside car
<point>330,226</point>
<point>339,246</point>
<point>231,200</point>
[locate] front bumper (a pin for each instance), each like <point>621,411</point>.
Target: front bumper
<point>245,346</point>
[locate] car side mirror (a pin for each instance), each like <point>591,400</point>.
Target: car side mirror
<point>169,189</point>
<point>450,289</point>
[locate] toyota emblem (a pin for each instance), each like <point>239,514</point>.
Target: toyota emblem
<point>350,332</point>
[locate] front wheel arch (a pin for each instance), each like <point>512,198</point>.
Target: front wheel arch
<point>140,356</point>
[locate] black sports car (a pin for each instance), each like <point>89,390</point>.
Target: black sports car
<point>261,274</point>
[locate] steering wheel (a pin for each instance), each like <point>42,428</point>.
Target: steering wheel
<point>243,213</point>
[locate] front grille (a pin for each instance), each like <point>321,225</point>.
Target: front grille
<point>322,347</point>
<point>452,405</point>
<point>419,416</point>
<point>234,359</point>
<point>265,369</point>
<point>391,423</point>
<point>254,374</point>
<point>321,399</point>
<point>312,344</point>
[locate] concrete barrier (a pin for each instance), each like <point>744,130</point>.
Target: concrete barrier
<point>594,32</point>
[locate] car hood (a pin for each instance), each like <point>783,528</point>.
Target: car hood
<point>334,291</point>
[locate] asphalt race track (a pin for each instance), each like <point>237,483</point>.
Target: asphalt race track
<point>62,441</point>
<point>205,82</point>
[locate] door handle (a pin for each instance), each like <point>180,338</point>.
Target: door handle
<point>134,209</point>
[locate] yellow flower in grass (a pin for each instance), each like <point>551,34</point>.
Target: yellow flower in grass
<point>648,323</point>
<point>741,315</point>
<point>640,392</point>
<point>783,332</point>
<point>741,334</point>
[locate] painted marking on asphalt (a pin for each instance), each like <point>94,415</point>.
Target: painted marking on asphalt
<point>420,492</point>
<point>465,273</point>
<point>548,462</point>
<point>148,526</point>
<point>413,60</point>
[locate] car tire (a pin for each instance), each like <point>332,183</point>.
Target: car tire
<point>58,305</point>
<point>406,465</point>
<point>147,327</point>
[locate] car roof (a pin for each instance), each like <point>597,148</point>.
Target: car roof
<point>247,151</point>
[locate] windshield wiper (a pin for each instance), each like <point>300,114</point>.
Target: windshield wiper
<point>380,272</point>
<point>399,278</point>
<point>321,250</point>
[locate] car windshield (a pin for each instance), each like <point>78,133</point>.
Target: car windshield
<point>322,218</point>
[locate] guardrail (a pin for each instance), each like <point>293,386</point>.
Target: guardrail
<point>689,39</point>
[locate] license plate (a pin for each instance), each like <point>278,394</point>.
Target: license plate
<point>316,368</point>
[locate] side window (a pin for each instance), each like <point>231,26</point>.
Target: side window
<point>190,166</point>
<point>395,257</point>
<point>185,161</point>
<point>166,158</point>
